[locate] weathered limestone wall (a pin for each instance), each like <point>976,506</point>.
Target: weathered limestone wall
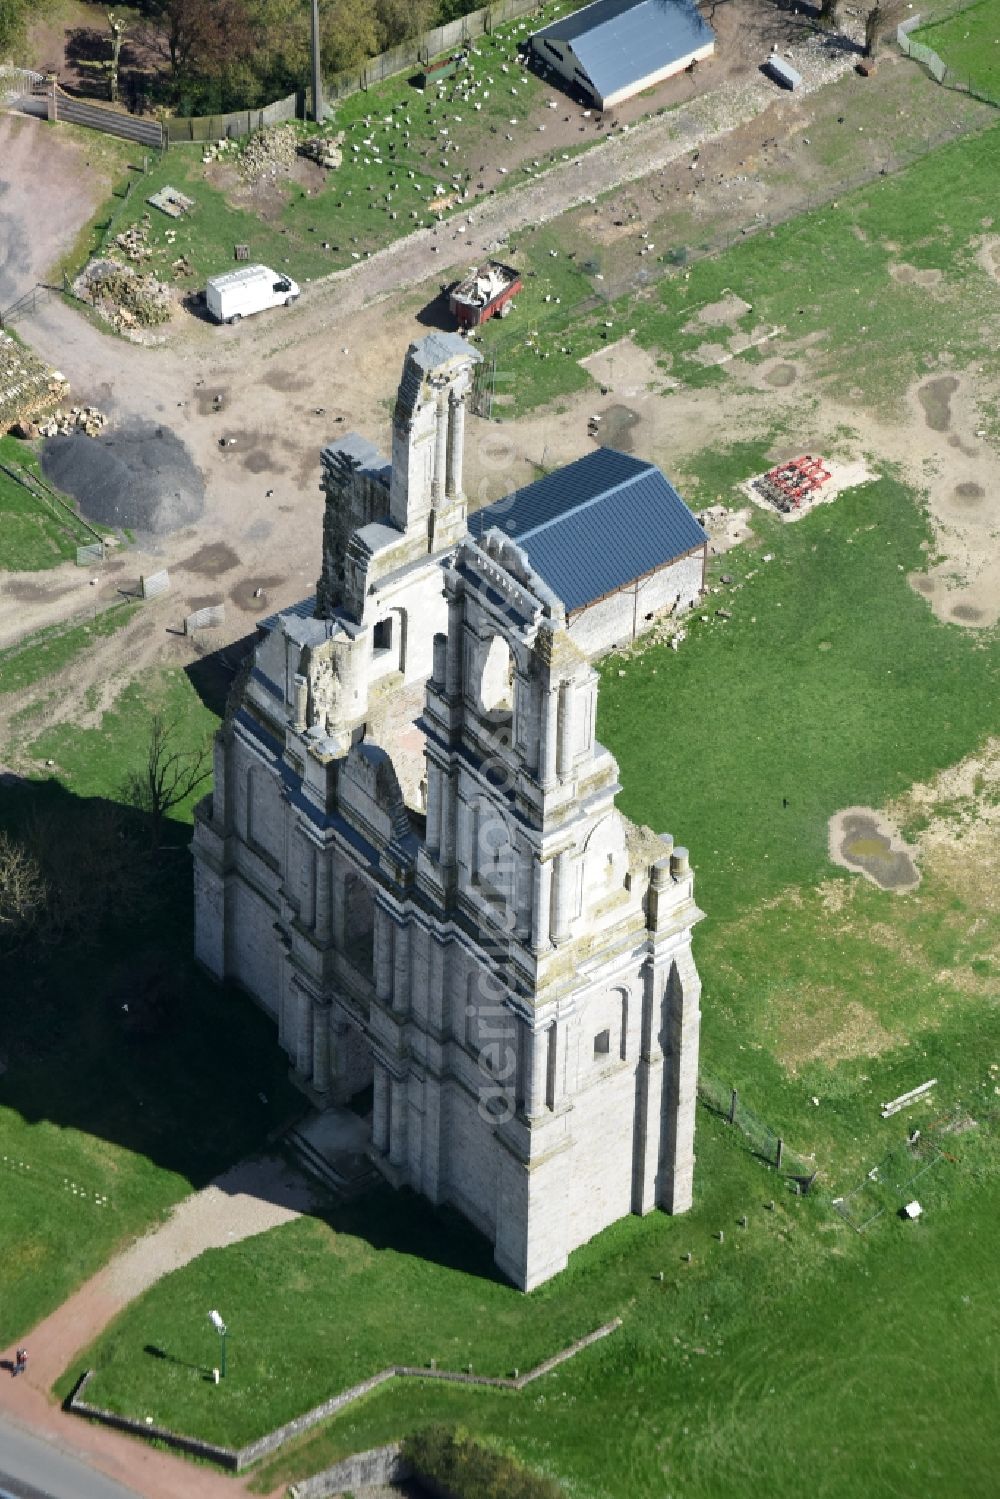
<point>497,952</point>
<point>611,622</point>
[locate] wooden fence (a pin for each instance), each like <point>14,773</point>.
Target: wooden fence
<point>97,116</point>
<point>239,122</point>
<point>447,38</point>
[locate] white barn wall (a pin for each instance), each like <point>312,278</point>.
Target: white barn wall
<point>610,621</point>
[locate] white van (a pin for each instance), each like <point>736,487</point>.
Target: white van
<point>252,288</point>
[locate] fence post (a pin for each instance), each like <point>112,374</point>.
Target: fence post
<point>732,1107</point>
<point>778,1153</point>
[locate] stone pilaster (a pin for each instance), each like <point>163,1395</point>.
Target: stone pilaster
<point>304,1033</point>
<point>456,444</point>
<point>401,969</point>
<point>324,896</point>
<point>440,449</point>
<point>564,756</point>
<point>382,938</point>
<point>380,1110</point>
<point>682,1024</point>
<point>321,1046</point>
<point>562,894</point>
<point>398,1111</point>
<point>536,1057</point>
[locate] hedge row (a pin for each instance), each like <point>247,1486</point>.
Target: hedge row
<point>456,1467</point>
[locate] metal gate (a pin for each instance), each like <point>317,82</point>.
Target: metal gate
<point>15,83</point>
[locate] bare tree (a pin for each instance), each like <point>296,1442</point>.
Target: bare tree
<point>828,13</point>
<point>170,775</point>
<point>886,15</point>
<point>24,891</point>
<point>117,28</point>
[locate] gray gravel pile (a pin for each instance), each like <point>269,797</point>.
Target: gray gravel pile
<point>140,477</point>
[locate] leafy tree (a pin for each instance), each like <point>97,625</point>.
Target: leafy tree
<point>885,17</point>
<point>15,16</point>
<point>399,20</point>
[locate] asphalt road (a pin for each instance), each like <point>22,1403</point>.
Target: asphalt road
<point>32,1469</point>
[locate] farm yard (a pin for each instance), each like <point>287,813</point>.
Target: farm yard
<point>411,156</point>
<point>848,660</point>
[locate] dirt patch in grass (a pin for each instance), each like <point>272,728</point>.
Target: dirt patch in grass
<point>988,256</point>
<point>960,813</point>
<point>935,398</point>
<point>623,369</point>
<point>616,428</point>
<point>780,374</point>
<point>865,842</point>
<point>963,494</point>
<point>720,314</point>
<point>707,353</point>
<point>819,1027</point>
<point>911,275</point>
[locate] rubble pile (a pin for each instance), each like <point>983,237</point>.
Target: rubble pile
<point>326,150</point>
<point>134,241</point>
<point>86,419</point>
<point>219,150</point>
<point>125,297</point>
<point>268,152</point>
<point>27,387</point>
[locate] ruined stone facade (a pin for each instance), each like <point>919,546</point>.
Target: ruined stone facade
<point>412,859</point>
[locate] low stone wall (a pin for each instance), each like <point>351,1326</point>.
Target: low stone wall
<point>365,1469</point>
<point>226,1457</point>
<point>239,1458</point>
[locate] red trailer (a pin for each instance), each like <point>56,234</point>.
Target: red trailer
<point>488,291</point>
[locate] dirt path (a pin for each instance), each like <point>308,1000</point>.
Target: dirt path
<point>249,1199</point>
<point>32,241</point>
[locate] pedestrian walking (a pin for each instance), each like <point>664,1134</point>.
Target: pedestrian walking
<point>20,1362</point>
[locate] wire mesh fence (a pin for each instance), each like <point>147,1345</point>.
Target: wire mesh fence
<point>889,1184</point>
<point>726,1103</point>
<point>941,71</point>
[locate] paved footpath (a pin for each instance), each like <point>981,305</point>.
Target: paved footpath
<point>246,1200</point>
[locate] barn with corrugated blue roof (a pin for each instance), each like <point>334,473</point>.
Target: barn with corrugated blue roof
<point>613,49</point>
<point>612,538</point>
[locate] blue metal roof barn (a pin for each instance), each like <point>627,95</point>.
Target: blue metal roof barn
<point>595,526</point>
<point>613,49</point>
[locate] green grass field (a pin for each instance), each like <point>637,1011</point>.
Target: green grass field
<point>724,1368</point>
<point>87,1099</point>
<point>969,43</point>
<point>34,533</point>
<point>49,651</point>
<point>827,272</point>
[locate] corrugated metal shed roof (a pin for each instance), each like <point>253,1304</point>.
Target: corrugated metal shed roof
<point>596,525</point>
<point>620,41</point>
